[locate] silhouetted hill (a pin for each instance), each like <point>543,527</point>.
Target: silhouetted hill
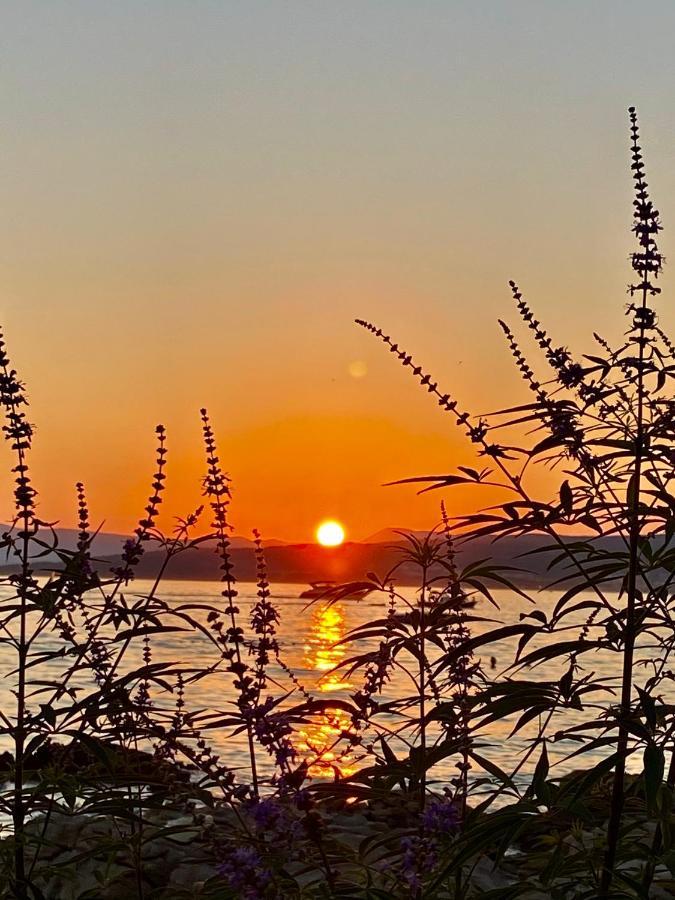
<point>107,543</point>
<point>292,563</point>
<point>391,535</point>
<point>304,563</point>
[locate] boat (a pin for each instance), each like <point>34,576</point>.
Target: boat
<point>317,589</point>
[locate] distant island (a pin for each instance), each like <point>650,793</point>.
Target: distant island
<point>303,563</point>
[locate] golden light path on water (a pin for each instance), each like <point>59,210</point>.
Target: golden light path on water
<point>322,652</point>
<point>310,638</point>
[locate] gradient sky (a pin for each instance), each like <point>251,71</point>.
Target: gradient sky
<point>199,197</point>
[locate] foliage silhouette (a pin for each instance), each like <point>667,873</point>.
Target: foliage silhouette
<point>105,734</point>
<point>606,421</point>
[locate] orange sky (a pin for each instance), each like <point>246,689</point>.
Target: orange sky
<point>198,199</point>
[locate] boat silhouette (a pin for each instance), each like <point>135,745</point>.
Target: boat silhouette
<point>317,589</point>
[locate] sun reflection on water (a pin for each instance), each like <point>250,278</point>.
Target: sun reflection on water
<point>321,653</point>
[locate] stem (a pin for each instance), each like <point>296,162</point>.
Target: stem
<point>421,693</point>
<point>657,843</point>
<point>19,812</point>
<point>616,807</point>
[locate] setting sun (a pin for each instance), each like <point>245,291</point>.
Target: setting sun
<point>330,534</point>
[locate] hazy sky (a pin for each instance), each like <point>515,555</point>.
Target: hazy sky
<point>199,197</point>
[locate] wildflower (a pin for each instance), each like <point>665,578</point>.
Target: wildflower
<point>571,375</point>
<point>418,858</point>
<point>441,817</point>
<point>264,619</point>
<point>265,813</point>
<point>246,874</point>
<point>132,549</point>
<point>377,673</point>
<point>274,822</point>
<point>478,432</point>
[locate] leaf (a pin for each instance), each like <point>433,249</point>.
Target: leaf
<point>550,651</point>
<point>565,683</point>
<point>654,765</point>
<point>633,492</point>
<point>48,714</point>
<point>499,634</point>
<point>588,779</point>
<point>532,713</point>
<point>388,753</point>
<point>566,498</point>
<point>472,473</point>
<point>493,770</point>
<point>434,481</point>
<point>501,824</point>
<point>648,705</point>
<point>539,787</point>
<point>146,630</point>
<point>591,522</point>
<point>547,444</point>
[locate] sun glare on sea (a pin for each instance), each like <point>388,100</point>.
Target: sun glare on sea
<point>330,534</point>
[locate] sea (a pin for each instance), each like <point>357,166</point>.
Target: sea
<point>313,636</point>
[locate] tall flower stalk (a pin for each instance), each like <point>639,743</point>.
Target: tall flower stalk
<point>18,432</point>
<point>647,263</point>
<point>217,489</point>
<point>609,423</point>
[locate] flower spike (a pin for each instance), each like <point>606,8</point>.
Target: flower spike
<point>647,261</point>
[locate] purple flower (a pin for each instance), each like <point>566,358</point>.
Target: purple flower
<point>266,813</point>
<point>275,823</point>
<point>440,817</point>
<point>418,859</point>
<point>245,872</point>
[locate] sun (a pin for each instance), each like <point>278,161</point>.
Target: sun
<point>330,533</point>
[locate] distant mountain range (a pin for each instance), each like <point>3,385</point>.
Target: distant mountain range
<point>305,563</point>
<point>108,544</point>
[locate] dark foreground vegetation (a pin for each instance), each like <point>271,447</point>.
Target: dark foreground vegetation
<point>111,783</point>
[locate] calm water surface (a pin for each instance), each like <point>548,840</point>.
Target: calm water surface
<point>310,638</point>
